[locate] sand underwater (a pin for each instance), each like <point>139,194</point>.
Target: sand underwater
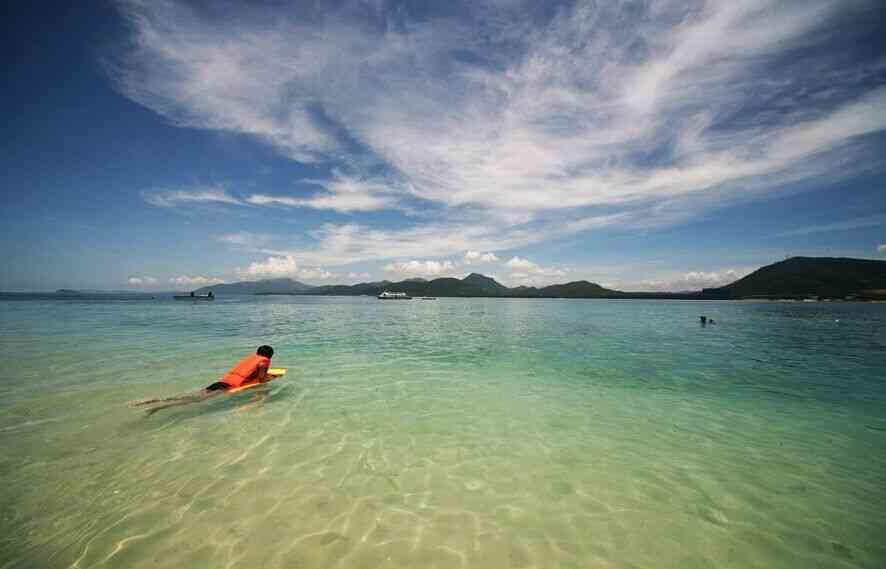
<point>453,433</point>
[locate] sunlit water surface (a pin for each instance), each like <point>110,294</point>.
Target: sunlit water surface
<point>451,433</point>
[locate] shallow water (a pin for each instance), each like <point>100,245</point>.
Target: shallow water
<point>451,433</point>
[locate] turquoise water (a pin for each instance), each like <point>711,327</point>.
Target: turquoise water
<point>452,433</point>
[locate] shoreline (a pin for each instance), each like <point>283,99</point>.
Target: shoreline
<point>136,296</point>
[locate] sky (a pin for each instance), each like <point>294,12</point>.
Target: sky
<point>643,145</point>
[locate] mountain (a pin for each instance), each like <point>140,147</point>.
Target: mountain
<point>797,277</point>
<point>267,286</point>
<point>483,283</point>
<point>828,277</point>
<point>578,289</point>
<point>473,285</point>
<point>523,291</point>
<point>94,291</point>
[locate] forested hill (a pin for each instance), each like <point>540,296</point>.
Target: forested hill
<point>472,285</point>
<point>827,277</point>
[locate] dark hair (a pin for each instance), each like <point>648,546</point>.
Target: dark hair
<point>266,351</point>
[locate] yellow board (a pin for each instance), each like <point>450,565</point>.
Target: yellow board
<point>273,373</point>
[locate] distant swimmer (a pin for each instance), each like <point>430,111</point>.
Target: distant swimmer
<point>250,370</point>
<point>703,320</point>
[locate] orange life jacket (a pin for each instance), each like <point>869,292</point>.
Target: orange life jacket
<point>246,370</point>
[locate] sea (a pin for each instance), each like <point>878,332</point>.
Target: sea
<point>448,433</point>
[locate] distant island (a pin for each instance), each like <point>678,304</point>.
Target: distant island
<point>796,278</point>
<point>267,286</point>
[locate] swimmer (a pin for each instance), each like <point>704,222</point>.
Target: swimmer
<point>251,369</point>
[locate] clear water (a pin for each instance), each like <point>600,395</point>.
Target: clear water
<point>449,433</point>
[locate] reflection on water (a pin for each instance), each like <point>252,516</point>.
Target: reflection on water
<point>456,433</point>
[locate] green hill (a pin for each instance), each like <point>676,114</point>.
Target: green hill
<point>473,285</point>
<point>578,289</point>
<point>490,287</point>
<point>800,277</point>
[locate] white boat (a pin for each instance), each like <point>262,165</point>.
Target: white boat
<point>394,296</point>
<point>193,296</point>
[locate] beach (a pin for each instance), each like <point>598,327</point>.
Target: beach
<point>486,433</point>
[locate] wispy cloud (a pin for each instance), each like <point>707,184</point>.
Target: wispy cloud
<point>201,194</point>
<point>342,193</point>
<point>246,239</point>
<point>605,115</point>
<point>858,223</point>
<point>343,244</point>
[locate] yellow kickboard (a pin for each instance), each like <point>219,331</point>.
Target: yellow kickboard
<point>273,373</point>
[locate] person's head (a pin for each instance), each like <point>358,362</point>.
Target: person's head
<point>266,351</point>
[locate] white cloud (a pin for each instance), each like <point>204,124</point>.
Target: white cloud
<point>284,266</point>
<point>144,281</point>
<point>342,244</point>
<point>523,267</point>
<point>315,273</point>
<point>520,264</point>
<point>475,257</point>
<point>688,281</point>
<point>272,267</point>
<point>431,269</point>
<point>349,243</point>
<point>356,276</point>
<point>173,198</point>
<point>185,281</point>
<point>343,194</point>
<point>881,248</point>
<point>607,115</point>
<point>246,239</point>
<point>525,272</point>
<point>869,221</point>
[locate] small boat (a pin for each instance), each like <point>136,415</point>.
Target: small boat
<point>193,296</point>
<point>394,296</point>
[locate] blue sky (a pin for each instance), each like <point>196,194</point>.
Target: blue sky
<point>642,145</point>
